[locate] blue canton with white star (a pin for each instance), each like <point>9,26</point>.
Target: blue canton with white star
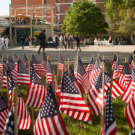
<point>34,60</point>
<point>21,68</point>
<point>3,105</point>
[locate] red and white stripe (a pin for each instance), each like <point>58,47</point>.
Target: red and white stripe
<point>58,91</point>
<point>117,90</point>
<point>0,72</point>
<point>14,73</point>
<point>89,69</point>
<point>93,76</point>
<point>130,111</point>
<point>113,65</point>
<point>122,80</point>
<point>49,78</point>
<point>99,98</point>
<point>56,84</point>
<point>83,81</point>
<point>127,96</point>
<point>74,106</point>
<point>23,78</point>
<point>44,64</point>
<point>49,126</point>
<point>3,117</point>
<point>60,69</point>
<point>127,79</point>
<point>91,101</point>
<point>35,95</point>
<point>24,119</point>
<point>4,82</point>
<point>40,69</point>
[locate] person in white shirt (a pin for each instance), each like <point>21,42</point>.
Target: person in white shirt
<point>3,42</point>
<point>0,42</point>
<point>6,42</point>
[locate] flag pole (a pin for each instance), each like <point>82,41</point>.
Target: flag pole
<point>47,70</point>
<point>68,77</point>
<point>77,65</point>
<point>2,77</point>
<point>53,81</point>
<point>125,89</point>
<point>42,60</point>
<point>14,104</point>
<point>31,107</point>
<point>58,66</point>
<point>17,69</point>
<point>98,58</point>
<point>93,57</point>
<point>6,66</point>
<point>102,112</point>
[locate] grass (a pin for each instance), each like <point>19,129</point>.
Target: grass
<point>77,127</point>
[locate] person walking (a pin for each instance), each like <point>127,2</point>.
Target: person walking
<point>110,41</point>
<point>61,41</point>
<point>116,41</point>
<point>42,38</point>
<point>78,42</point>
<point>57,41</point>
<point>6,42</point>
<point>72,46</point>
<point>30,41</point>
<point>0,42</point>
<point>3,42</point>
<point>65,41</point>
<point>22,41</point>
<point>70,39</point>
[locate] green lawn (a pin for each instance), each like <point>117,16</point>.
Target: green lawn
<point>79,127</point>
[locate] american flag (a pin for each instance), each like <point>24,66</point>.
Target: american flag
<point>1,68</point>
<point>13,69</point>
<point>49,121</point>
<point>74,81</point>
<point>114,62</point>
<point>56,84</point>
<point>81,62</point>
<point>24,120</point>
<point>130,90</point>
<point>38,67</point>
<point>4,81</point>
<point>130,60</point>
<point>44,61</point>
<point>61,63</point>
<point>130,111</point>
<point>36,90</point>
<point>24,61</point>
<point>10,58</point>
<point>3,113</point>
<point>9,127</point>
<point>116,72</point>
<point>49,73</point>
<point>132,132</point>
<point>82,77</point>
<point>109,120</point>
<point>125,76</point>
<point>22,75</point>
<point>95,71</point>
<point>71,102</point>
<point>90,67</point>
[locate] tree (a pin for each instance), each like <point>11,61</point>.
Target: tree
<point>84,18</point>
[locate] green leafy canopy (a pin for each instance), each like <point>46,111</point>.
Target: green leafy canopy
<point>84,18</point>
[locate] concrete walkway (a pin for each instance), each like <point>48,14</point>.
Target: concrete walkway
<point>85,54</point>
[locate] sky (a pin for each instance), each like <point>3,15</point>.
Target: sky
<point>4,7</point>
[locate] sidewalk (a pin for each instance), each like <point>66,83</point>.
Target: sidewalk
<point>85,54</point>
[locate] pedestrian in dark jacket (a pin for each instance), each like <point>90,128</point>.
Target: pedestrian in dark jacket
<point>57,41</point>
<point>42,38</point>
<point>78,42</point>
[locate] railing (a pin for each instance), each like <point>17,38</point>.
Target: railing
<point>5,32</point>
<point>27,22</point>
<point>4,23</point>
<point>96,43</point>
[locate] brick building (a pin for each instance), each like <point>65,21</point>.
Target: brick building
<point>59,8</point>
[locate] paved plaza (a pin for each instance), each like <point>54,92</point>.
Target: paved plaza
<point>85,54</point>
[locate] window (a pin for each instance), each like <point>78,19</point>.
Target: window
<point>58,19</point>
<point>44,1</point>
<point>70,5</point>
<point>58,8</point>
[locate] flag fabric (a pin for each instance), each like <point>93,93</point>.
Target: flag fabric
<point>24,120</point>
<point>61,63</point>
<point>36,90</point>
<point>49,73</point>
<point>3,114</point>
<point>132,132</point>
<point>9,127</point>
<point>24,61</point>
<point>0,68</point>
<point>95,71</point>
<point>114,62</point>
<point>117,69</point>
<point>56,84</point>
<point>130,60</point>
<point>49,120</point>
<point>90,67</point>
<point>44,61</point>
<point>38,67</point>
<point>71,102</point>
<point>13,69</point>
<point>130,111</point>
<point>130,90</point>
<point>22,75</point>
<point>74,81</point>
<point>82,77</point>
<point>109,120</point>
<point>4,81</point>
<point>125,76</point>
<point>10,58</point>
